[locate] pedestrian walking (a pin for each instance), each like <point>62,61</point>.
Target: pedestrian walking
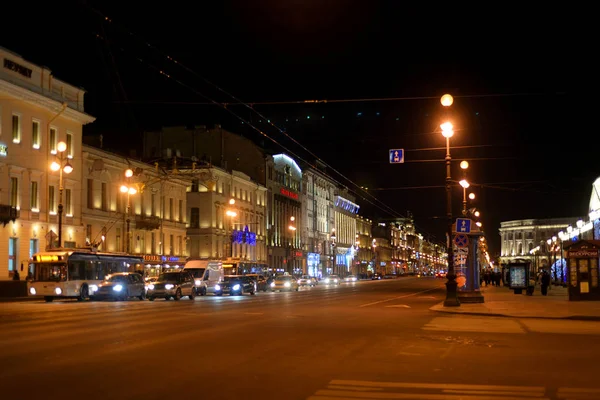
<point>545,281</point>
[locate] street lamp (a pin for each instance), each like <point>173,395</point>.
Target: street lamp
<point>130,190</point>
<point>62,165</point>
<point>451,285</point>
<point>292,229</point>
<point>465,185</point>
<point>231,214</point>
<point>332,249</point>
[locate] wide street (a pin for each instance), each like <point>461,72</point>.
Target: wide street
<point>364,340</point>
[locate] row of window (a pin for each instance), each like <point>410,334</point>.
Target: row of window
<point>34,197</point>
<point>122,202</point>
<point>36,135</point>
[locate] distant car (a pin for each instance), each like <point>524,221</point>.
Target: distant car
<point>440,274</point>
<point>332,280</point>
<point>350,278</point>
<point>307,280</point>
<point>121,286</point>
<point>284,282</point>
<point>235,285</point>
<point>376,277</point>
<point>261,282</point>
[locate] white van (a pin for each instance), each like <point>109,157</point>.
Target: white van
<point>206,273</point>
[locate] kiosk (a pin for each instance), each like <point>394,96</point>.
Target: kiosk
<point>582,267</point>
<point>518,272</point>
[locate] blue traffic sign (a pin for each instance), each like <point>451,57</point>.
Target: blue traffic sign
<point>396,156</point>
<point>463,225</point>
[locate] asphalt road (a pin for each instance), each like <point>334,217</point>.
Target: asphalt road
<point>364,340</point>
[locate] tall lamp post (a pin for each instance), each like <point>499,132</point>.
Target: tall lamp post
<point>231,214</point>
<point>130,190</point>
<point>62,165</point>
<point>451,285</point>
<point>292,229</point>
<point>333,255</point>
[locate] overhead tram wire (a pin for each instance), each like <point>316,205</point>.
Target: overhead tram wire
<point>247,105</point>
<point>213,102</point>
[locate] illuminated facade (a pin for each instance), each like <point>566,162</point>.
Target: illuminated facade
<point>37,111</point>
<point>284,215</point>
<point>219,228</point>
<point>157,209</point>
<point>364,257</point>
<point>317,220</point>
<point>345,211</point>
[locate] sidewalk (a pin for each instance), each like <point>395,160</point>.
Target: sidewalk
<point>502,302</point>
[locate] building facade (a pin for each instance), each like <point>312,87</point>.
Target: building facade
<point>227,218</point>
<point>37,112</point>
<point>284,215</point>
<point>148,219</point>
<point>364,256</point>
<point>318,219</point>
<point>528,239</point>
<point>345,210</point>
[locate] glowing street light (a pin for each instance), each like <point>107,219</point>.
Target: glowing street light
<point>62,164</point>
<point>130,191</point>
<point>451,285</point>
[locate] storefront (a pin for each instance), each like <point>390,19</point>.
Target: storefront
<point>155,264</point>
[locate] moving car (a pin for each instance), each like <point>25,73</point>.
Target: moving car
<point>284,282</point>
<point>172,284</point>
<point>350,278</point>
<point>121,286</point>
<point>307,280</point>
<point>332,280</point>
<point>260,280</point>
<point>234,285</point>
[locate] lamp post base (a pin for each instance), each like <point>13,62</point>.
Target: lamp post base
<point>451,292</point>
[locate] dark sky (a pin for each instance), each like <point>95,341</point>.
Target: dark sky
<point>383,67</point>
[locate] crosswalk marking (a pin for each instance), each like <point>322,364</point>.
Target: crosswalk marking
<point>339,389</point>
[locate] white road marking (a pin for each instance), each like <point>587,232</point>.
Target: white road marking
<point>562,327</point>
<point>398,306</point>
<point>399,297</point>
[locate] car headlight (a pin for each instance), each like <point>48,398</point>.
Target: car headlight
<point>217,287</point>
<point>326,280</point>
<point>299,281</point>
<point>93,288</point>
<point>150,287</point>
<point>32,291</point>
<point>198,282</point>
<point>118,288</point>
<point>272,284</point>
<point>335,281</point>
<point>58,291</point>
<point>169,286</point>
<point>236,287</point>
<point>353,279</point>
<point>287,284</point>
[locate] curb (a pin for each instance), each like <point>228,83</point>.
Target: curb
<point>482,314</point>
<point>18,299</point>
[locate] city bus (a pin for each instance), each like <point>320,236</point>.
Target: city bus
<point>75,273</point>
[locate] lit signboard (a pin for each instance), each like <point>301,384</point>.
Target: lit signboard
<point>289,193</point>
<point>3,150</point>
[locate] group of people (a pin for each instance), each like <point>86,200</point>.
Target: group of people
<point>489,276</point>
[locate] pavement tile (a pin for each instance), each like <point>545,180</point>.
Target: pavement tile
<point>501,301</point>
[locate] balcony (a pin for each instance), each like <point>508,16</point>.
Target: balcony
<point>8,213</point>
<point>148,223</point>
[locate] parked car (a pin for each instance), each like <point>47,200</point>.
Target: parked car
<point>234,285</point>
<point>284,282</point>
<point>376,277</point>
<point>172,284</point>
<point>121,286</point>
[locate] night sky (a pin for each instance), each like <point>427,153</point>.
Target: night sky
<point>382,67</point>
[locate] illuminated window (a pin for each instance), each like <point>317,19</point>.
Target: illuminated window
<point>35,134</point>
<point>69,145</point>
<point>68,204</point>
<point>14,192</point>
<point>34,197</point>
<point>16,128</point>
<point>53,140</point>
<point>51,200</point>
